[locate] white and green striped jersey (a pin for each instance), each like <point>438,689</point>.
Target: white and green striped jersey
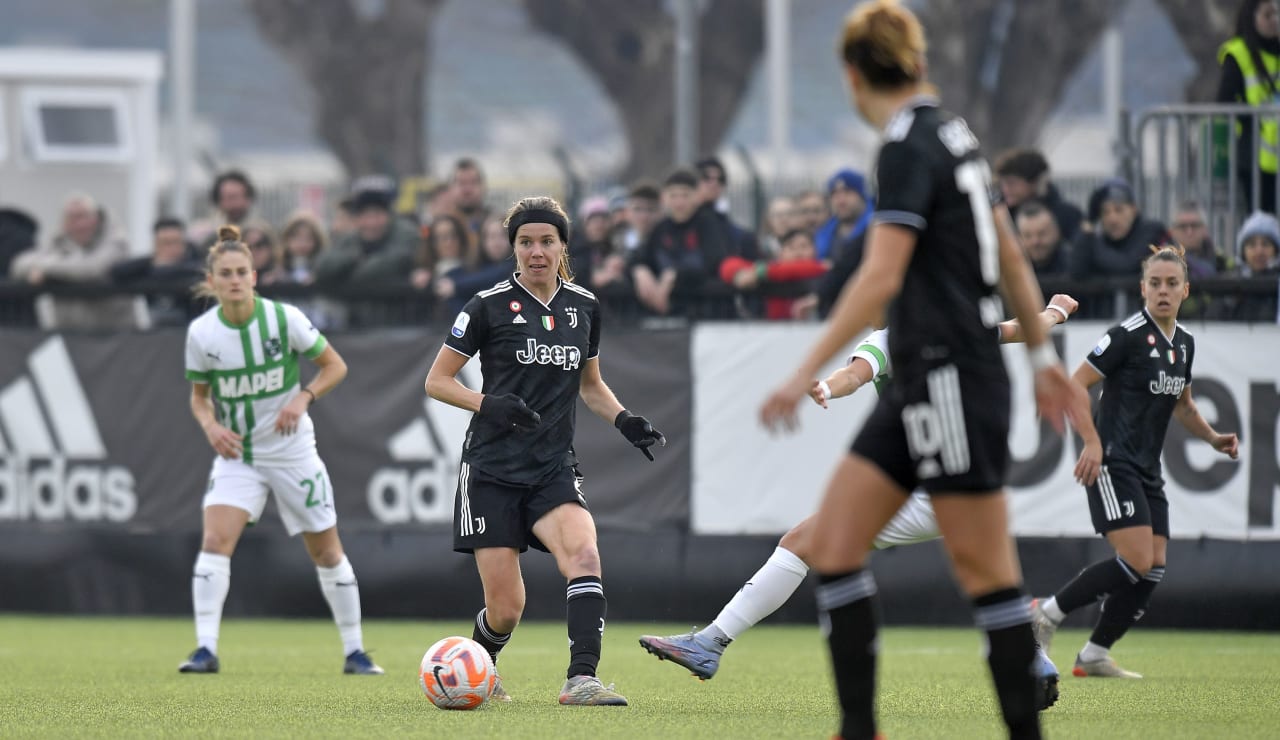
<point>252,371</point>
<point>875,350</point>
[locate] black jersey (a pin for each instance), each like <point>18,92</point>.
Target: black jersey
<point>931,178</point>
<point>1144,374</point>
<point>535,350</point>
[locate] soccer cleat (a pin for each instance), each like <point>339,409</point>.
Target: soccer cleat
<point>359,663</point>
<point>201,661</point>
<point>499,693</point>
<point>1046,681</point>
<point>684,650</point>
<point>1101,668</point>
<point>1042,626</point>
<point>587,691</point>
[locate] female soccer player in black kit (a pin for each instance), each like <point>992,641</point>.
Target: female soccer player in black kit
<point>938,250</point>
<point>538,336</point>
<point>1144,365</point>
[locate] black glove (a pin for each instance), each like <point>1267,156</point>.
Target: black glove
<point>509,411</point>
<point>639,432</point>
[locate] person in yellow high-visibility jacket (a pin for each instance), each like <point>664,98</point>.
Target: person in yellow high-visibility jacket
<point>1250,63</point>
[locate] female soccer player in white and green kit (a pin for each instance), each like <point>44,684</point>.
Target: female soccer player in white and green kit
<point>242,361</point>
<point>784,571</point>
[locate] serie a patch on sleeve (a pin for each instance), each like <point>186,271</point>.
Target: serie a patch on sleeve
<point>1102,344</point>
<point>460,324</point>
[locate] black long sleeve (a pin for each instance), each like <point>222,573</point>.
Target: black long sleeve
<point>1231,83</point>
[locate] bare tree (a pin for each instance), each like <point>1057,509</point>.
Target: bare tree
<point>1003,64</point>
<point>630,48</point>
<point>366,65</point>
<point>1203,27</point>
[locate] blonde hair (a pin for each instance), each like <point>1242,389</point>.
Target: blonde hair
<point>1175,253</point>
<point>227,243</point>
<point>885,42</point>
<point>545,203</point>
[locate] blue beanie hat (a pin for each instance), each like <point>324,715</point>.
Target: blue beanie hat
<point>850,179</point>
<point>1258,224</point>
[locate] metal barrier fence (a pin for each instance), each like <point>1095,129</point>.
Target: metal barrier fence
<point>401,305</point>
<point>1206,153</point>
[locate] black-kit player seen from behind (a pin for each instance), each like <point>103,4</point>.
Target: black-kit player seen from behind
<point>538,337</point>
<point>937,252</point>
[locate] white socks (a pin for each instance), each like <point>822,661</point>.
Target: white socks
<point>1093,652</point>
<point>339,587</point>
<point>210,580</point>
<point>763,593</point>
<point>1051,610</point>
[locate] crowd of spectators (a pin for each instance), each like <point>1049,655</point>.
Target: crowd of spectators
<point>669,249</point>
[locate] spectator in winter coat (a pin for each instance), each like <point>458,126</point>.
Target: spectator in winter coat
<point>1122,238</point>
<point>1258,252</point>
<point>1043,244</point>
<point>851,212</point>
<point>1024,176</point>
<point>796,262</point>
<point>83,252</point>
<point>683,253</point>
<point>380,250</point>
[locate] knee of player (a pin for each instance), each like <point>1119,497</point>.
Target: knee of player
<point>217,543</point>
<point>504,614</point>
<point>1141,562</point>
<point>585,560</point>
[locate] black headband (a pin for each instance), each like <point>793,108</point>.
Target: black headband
<point>538,216</point>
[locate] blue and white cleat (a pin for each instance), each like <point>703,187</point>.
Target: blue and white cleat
<point>360,664</point>
<point>1046,680</point>
<point>201,661</point>
<point>684,650</point>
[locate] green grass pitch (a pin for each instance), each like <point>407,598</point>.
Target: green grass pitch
<point>117,677</point>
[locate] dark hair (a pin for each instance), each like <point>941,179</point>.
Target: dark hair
<point>885,42</point>
<point>711,163</point>
<point>231,176</point>
<point>1033,208</point>
<point>1028,164</point>
<point>1166,253</point>
<point>792,234</point>
<point>682,176</point>
<point>645,190</point>
<point>1248,32</point>
<point>168,223</point>
<point>468,163</point>
<point>428,254</point>
<point>228,242</point>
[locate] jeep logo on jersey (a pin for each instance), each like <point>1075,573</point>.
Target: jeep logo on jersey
<point>250,383</point>
<point>549,354</point>
<point>52,459</point>
<point>1169,384</point>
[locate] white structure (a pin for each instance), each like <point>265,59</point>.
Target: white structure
<point>80,120</point>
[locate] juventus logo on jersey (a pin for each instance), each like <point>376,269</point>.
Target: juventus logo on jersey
<point>572,311</point>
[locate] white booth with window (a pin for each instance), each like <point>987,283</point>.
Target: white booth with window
<point>74,120</point>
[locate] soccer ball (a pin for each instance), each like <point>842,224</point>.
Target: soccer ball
<point>457,673</point>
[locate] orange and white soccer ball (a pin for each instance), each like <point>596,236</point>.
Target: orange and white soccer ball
<point>457,673</point>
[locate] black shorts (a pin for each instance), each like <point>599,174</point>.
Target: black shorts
<point>949,432</point>
<point>1121,497</point>
<point>488,512</point>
